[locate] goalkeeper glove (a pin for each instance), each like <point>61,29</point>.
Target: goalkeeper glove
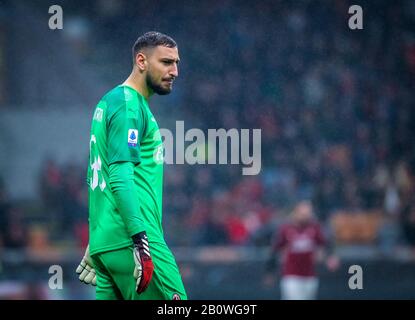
<point>144,267</point>
<point>86,271</point>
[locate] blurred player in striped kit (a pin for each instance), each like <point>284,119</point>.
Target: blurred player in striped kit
<point>298,243</point>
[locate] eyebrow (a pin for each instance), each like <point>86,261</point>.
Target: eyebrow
<point>171,59</point>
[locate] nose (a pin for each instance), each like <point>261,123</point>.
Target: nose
<point>174,71</point>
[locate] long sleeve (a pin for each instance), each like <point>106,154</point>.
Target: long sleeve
<point>122,186</point>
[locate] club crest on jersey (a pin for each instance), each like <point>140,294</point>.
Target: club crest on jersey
<point>176,296</point>
<point>132,137</point>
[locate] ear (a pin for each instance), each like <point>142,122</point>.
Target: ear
<point>141,61</point>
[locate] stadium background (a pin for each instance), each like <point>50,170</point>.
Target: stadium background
<point>335,106</point>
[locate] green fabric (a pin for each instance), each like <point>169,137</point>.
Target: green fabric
<point>124,130</point>
<point>115,278</point>
<point>123,190</point>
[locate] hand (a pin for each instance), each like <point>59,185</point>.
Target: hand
<point>86,270</point>
<point>332,263</point>
<point>144,267</point>
<point>269,280</point>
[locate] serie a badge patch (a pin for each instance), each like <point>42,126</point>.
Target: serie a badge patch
<point>132,137</point>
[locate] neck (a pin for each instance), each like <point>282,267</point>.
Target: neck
<point>136,80</point>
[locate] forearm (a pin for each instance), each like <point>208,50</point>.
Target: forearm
<point>327,250</point>
<point>271,262</point>
<point>122,186</point>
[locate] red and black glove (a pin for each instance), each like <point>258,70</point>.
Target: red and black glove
<point>144,267</point>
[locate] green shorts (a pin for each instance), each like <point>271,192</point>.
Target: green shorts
<point>115,278</point>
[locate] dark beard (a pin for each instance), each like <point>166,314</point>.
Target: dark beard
<point>156,88</point>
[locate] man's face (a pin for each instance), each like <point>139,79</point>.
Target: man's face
<point>303,213</point>
<point>162,63</point>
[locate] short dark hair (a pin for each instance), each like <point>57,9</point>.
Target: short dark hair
<point>152,39</point>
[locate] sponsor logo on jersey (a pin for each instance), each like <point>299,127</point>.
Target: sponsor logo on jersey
<point>98,114</point>
<point>132,137</point>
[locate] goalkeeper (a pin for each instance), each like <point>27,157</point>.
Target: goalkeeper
<point>127,257</point>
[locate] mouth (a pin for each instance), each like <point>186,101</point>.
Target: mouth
<point>169,81</point>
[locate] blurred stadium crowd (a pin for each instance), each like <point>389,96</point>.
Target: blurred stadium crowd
<point>335,107</point>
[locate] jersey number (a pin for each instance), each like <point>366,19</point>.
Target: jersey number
<point>97,178</point>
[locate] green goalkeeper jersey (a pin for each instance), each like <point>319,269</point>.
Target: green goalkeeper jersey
<point>124,129</point>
